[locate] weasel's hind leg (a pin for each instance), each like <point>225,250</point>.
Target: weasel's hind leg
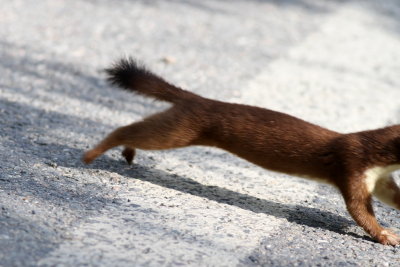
<point>387,191</point>
<point>169,129</point>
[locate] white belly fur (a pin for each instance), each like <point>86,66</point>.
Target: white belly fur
<point>380,183</point>
<point>373,175</point>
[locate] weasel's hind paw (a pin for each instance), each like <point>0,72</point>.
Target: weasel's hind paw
<point>128,153</point>
<point>89,156</point>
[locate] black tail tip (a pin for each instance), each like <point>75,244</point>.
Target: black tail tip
<point>126,70</point>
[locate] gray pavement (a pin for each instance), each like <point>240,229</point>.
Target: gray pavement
<point>334,63</point>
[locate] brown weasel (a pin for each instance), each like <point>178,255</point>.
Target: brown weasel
<point>358,164</point>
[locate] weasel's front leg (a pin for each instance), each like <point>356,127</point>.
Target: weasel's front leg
<point>358,201</point>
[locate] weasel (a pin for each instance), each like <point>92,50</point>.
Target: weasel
<point>358,164</point>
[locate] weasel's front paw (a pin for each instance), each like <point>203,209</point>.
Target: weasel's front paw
<point>89,156</point>
<point>388,237</point>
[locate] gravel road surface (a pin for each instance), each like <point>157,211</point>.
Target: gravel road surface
<point>334,63</point>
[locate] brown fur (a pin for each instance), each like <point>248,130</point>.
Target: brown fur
<point>273,140</point>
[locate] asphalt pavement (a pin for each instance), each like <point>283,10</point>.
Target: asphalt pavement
<point>334,63</point>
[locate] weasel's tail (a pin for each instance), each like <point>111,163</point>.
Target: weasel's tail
<point>132,76</point>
